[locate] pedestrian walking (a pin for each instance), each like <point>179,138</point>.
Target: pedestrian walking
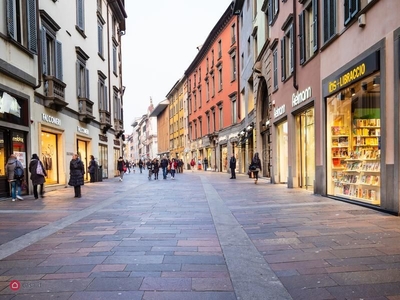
<point>140,163</point>
<point>172,167</point>
<point>121,168</point>
<point>38,175</point>
<point>205,163</point>
<point>232,166</point>
<point>255,166</point>
<point>164,166</point>
<point>76,172</point>
<point>92,168</point>
<point>156,168</point>
<point>192,164</point>
<point>13,178</point>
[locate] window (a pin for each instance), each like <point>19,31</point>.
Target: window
<point>194,80</point>
<point>287,53</point>
<point>100,38</point>
<point>200,127</point>
<point>255,41</point>
<point>102,92</point>
<point>351,8</point>
<point>248,47</point>
<point>273,9</point>
<point>220,78</point>
<point>99,5</point>
<point>208,122</point>
<point>233,33</point>
<point>242,62</point>
<point>308,35</point>
<point>190,131</point>
<point>117,105</point>
<point>51,51</point>
<point>254,8</point>
<point>234,109</point>
<point>275,66</point>
<point>80,14</point>
<point>82,75</point>
<point>113,26</point>
<point>114,58</point>
<point>233,66</point>
<point>212,58</point>
<point>213,119</point>
<point>199,75</point>
<point>219,49</point>
<point>208,90</point>
<point>212,85</point>
<point>21,23</point>
<point>221,117</point>
<point>207,69</point>
<point>195,102</point>
<point>199,97</point>
<point>195,130</point>
<point>329,19</point>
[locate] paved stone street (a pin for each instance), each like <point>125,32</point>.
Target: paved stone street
<point>201,236</point>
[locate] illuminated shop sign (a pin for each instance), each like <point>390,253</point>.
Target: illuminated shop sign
<point>279,111</point>
<point>83,130</point>
<point>51,119</point>
<point>362,69</point>
<point>18,139</point>
<point>302,96</point>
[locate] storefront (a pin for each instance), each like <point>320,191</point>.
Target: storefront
<point>224,166</point>
<point>13,135</point>
<point>282,151</point>
<point>103,159</point>
<point>305,137</point>
<point>353,131</point>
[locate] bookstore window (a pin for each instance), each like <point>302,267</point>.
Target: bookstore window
<point>354,144</point>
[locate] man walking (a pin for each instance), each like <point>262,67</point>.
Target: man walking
<point>232,165</point>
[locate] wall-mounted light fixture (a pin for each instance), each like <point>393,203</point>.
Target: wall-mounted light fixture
<point>123,90</point>
<point>364,86</point>
<point>250,127</point>
<point>353,92</point>
<point>376,81</point>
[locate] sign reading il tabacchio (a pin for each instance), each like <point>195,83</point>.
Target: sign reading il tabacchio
<point>340,80</point>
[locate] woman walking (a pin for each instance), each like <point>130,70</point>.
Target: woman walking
<point>255,166</point>
<point>121,168</point>
<point>15,183</point>
<point>92,168</point>
<point>76,172</point>
<point>38,174</point>
<point>172,166</point>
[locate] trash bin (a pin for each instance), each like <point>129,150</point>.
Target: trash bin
<point>99,173</point>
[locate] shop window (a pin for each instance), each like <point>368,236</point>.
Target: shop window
<point>48,156</point>
<point>21,23</point>
<point>329,28</point>
<point>308,35</point>
<point>354,143</point>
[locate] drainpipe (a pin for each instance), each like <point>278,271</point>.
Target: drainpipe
<point>295,85</point>
<point>39,47</point>
<point>108,58</point>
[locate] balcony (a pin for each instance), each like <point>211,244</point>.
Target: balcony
<point>85,110</point>
<point>54,90</point>
<point>105,120</point>
<point>118,125</point>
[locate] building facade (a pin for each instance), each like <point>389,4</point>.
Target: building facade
<point>213,95</point>
<point>70,107</point>
<point>161,112</point>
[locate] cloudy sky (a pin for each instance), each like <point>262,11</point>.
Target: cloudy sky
<point>159,45</point>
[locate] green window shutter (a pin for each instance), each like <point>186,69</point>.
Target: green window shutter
<point>11,18</point>
<point>59,64</point>
<point>32,30</point>
<point>44,50</point>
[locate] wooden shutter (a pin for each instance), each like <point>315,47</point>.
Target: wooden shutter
<point>315,24</point>
<point>44,51</point>
<point>291,49</point>
<point>78,79</point>
<point>80,14</point>
<point>11,18</point>
<point>59,64</point>
<point>302,40</point>
<point>283,60</point>
<point>87,91</point>
<point>32,29</point>
<point>105,106</point>
<point>270,13</point>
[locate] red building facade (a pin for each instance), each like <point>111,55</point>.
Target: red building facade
<point>213,87</point>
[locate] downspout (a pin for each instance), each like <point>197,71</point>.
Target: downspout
<point>295,85</point>
<point>39,47</point>
<point>108,59</point>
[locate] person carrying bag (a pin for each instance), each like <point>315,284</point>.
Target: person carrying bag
<point>38,174</point>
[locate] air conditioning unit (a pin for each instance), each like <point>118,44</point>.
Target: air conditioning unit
<point>361,20</point>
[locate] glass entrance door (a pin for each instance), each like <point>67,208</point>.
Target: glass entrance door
<point>82,152</point>
<point>306,145</point>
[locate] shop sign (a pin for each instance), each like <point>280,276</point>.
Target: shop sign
<point>18,139</point>
<point>51,119</point>
<point>302,96</point>
<point>364,68</point>
<point>83,130</point>
<point>279,111</point>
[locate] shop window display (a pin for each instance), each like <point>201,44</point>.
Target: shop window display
<point>48,156</point>
<point>353,136</point>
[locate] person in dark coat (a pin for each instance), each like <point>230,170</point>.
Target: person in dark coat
<point>76,172</point>
<point>38,174</point>
<point>92,168</point>
<point>121,168</point>
<point>140,165</point>
<point>232,166</point>
<point>15,184</point>
<point>256,166</point>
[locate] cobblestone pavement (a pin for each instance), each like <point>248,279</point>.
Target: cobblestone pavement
<point>201,236</point>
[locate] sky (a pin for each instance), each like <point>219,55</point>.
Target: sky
<point>159,45</point>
